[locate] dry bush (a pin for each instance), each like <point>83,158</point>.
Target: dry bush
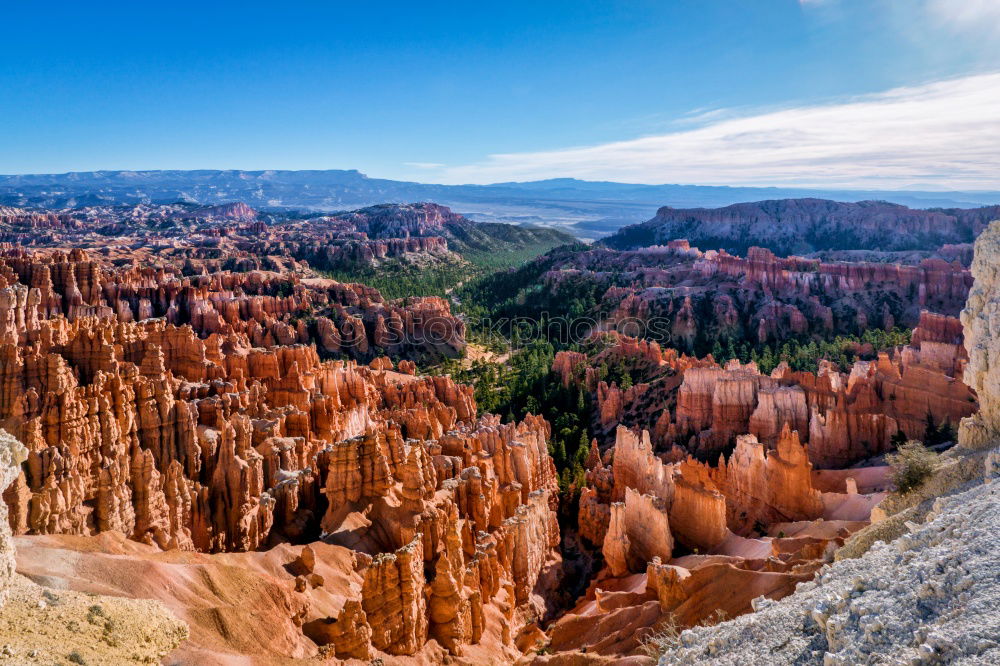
<point>666,633</point>
<point>912,464</point>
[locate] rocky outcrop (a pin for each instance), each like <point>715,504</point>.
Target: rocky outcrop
<point>697,302</point>
<point>981,339</point>
<point>259,308</point>
<point>635,466</point>
<point>400,221</point>
<point>393,600</point>
<point>756,487</point>
<point>637,532</point>
<point>232,211</point>
<point>12,454</point>
<point>281,446</point>
<point>765,487</point>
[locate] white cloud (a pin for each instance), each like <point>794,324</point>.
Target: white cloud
<point>944,133</point>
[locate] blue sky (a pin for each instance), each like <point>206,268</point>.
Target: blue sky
<point>482,92</point>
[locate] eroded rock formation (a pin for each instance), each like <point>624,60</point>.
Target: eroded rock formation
<point>197,414</point>
<point>695,407</point>
<point>692,300</point>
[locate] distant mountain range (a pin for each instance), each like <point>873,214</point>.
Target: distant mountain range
<point>585,208</point>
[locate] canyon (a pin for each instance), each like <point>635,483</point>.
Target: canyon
<point>201,418</point>
<point>213,428</point>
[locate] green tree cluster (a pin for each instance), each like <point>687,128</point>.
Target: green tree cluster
<point>805,354</point>
<point>526,384</point>
<point>396,279</point>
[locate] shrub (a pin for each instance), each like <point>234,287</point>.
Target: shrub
<point>912,464</point>
<point>666,634</point>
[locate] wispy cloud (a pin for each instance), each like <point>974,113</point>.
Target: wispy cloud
<point>943,133</point>
<point>967,15</point>
<point>424,165</point>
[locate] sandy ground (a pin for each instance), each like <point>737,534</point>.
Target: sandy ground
<point>475,353</point>
<point>39,625</point>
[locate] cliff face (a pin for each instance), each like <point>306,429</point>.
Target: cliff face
<point>806,225</point>
<point>701,504</point>
<point>763,487</point>
<point>238,211</point>
<point>844,418</point>
<point>638,531</point>
<point>400,221</point>
<point>12,454</point>
<point>982,339</point>
<point>763,298</point>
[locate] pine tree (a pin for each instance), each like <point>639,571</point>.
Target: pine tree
<point>626,381</point>
<point>730,349</point>
<point>945,433</point>
<point>930,430</point>
<point>558,452</point>
<point>582,449</point>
